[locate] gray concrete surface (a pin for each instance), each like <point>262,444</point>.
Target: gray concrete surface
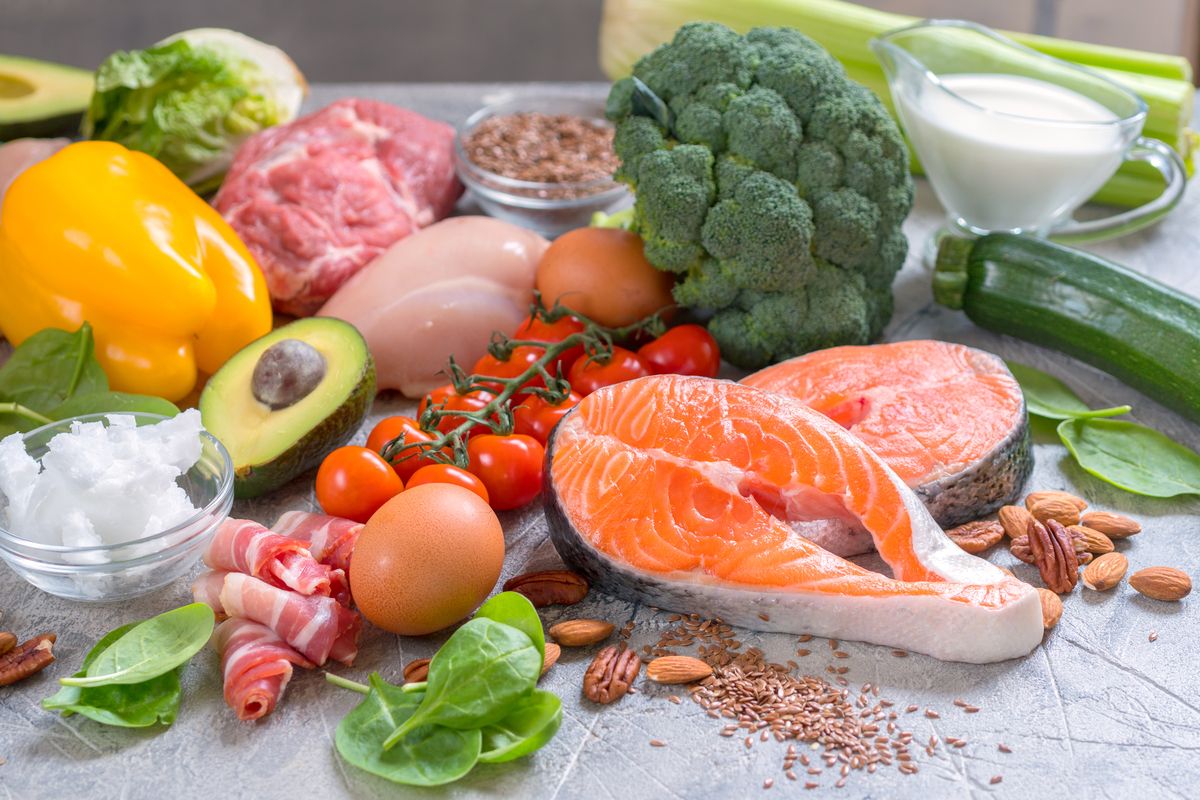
<point>1098,711</point>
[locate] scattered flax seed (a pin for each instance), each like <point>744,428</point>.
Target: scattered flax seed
<point>971,709</point>
<point>674,699</point>
<point>749,742</point>
<point>840,654</point>
<point>996,779</point>
<point>768,783</point>
<point>657,743</point>
<point>674,618</point>
<point>900,653</point>
<point>931,714</point>
<point>802,652</point>
<point>765,617</point>
<point>961,743</point>
<point>811,785</point>
<point>807,637</point>
<point>791,776</point>
<point>910,709</point>
<point>1003,748</point>
<point>958,701</point>
<point>833,644</point>
<point>1154,636</point>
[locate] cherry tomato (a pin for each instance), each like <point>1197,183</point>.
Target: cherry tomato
<point>535,417</point>
<point>588,376</point>
<point>353,482</point>
<point>542,331</point>
<point>448,473</point>
<point>684,350</point>
<point>519,361</point>
<point>457,402</point>
<point>390,428</point>
<point>509,466</point>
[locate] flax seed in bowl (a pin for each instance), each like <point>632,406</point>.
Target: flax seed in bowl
<point>541,161</point>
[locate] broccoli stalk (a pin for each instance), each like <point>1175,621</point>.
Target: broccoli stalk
<point>770,182</point>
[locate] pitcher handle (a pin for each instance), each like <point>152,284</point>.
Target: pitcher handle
<point>1164,159</point>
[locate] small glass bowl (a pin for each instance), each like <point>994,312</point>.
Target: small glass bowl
<point>548,208</point>
<point>131,568</point>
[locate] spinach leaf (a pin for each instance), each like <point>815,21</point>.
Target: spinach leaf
<point>515,610</point>
<point>1047,396</point>
<point>115,403</point>
<point>1133,457</point>
<point>481,670</point>
<point>428,755</point>
<point>51,367</point>
<point>150,648</point>
<point>528,726</point>
<point>135,705</point>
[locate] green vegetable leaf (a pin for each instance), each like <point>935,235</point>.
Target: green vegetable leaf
<point>150,648</point>
<point>1047,396</point>
<point>113,402</point>
<point>188,105</point>
<point>136,705</point>
<point>645,103</point>
<point>1133,457</point>
<point>428,755</point>
<point>515,610</point>
<point>528,726</point>
<point>49,368</point>
<point>481,670</point>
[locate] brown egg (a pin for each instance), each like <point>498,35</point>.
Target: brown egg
<point>602,274</point>
<point>426,559</point>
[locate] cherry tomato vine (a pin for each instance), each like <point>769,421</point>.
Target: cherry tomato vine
<point>449,425</point>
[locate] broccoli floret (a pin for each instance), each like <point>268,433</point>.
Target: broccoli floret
<point>775,186</point>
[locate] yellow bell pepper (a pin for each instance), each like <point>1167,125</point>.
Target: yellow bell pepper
<point>104,234</point>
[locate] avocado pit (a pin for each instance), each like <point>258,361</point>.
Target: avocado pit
<point>286,373</point>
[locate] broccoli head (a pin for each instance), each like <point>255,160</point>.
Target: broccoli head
<point>770,182</point>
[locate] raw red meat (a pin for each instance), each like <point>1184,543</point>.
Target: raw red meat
<point>315,200</point>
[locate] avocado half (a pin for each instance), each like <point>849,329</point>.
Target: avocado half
<point>270,444</point>
<point>38,98</point>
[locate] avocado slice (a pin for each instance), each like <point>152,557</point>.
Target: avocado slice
<point>282,402</point>
<point>38,98</point>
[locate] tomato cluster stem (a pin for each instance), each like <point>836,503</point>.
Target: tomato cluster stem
<point>451,446</point>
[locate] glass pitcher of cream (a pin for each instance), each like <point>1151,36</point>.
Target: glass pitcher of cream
<point>1013,140</point>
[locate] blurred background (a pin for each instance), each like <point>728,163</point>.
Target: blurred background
<point>497,40</point>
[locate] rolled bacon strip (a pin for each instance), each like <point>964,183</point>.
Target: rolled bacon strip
<point>207,589</point>
<point>256,665</point>
<point>241,545</point>
<point>318,627</point>
<point>329,539</point>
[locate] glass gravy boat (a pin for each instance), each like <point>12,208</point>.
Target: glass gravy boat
<point>1014,140</point>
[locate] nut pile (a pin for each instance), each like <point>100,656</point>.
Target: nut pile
<point>19,661</point>
<point>1057,533</point>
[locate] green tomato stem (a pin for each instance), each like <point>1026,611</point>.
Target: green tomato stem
<point>597,342</point>
<point>337,680</point>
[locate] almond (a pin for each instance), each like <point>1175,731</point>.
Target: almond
<point>677,669</point>
<point>1015,520</point>
<point>1052,494</point>
<point>1056,508</point>
<point>1114,526</point>
<point>1105,572</point>
<point>1052,608</point>
<point>553,651</point>
<point>581,632</point>
<point>1161,583</point>
<point>1096,542</point>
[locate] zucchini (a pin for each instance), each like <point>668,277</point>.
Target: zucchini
<point>1134,328</point>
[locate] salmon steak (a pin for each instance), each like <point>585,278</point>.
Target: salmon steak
<point>949,419</point>
<point>704,496</point>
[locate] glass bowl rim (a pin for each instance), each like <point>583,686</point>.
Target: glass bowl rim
<point>24,547</point>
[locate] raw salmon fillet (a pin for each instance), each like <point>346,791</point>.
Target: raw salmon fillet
<point>705,496</point>
<point>949,419</point>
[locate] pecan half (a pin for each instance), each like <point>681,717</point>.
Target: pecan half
<point>611,674</point>
<point>1054,555</point>
<point>977,536</point>
<point>549,587</point>
<point>26,659</point>
<point>1020,548</point>
<point>416,670</point>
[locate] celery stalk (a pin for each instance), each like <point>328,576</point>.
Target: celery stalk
<point>631,28</point>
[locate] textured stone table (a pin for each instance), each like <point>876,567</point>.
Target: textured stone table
<point>1098,711</point>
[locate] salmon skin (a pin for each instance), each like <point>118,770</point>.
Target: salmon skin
<point>949,419</point>
<point>704,496</point>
